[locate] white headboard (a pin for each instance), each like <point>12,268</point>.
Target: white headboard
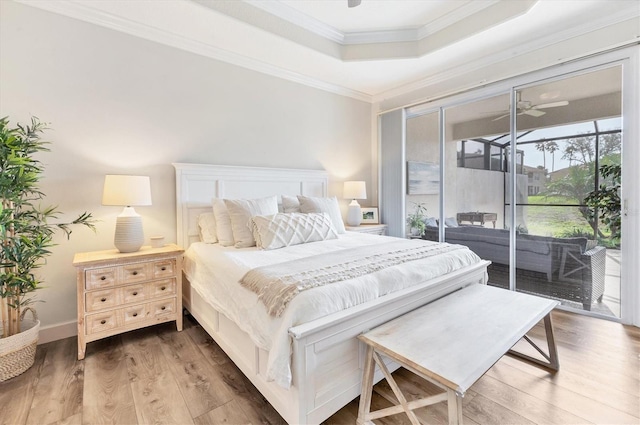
<point>198,184</point>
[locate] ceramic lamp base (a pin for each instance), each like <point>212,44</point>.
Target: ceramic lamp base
<point>129,236</point>
<point>354,214</point>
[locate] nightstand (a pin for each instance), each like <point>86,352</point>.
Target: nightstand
<point>375,229</point>
<point>119,292</point>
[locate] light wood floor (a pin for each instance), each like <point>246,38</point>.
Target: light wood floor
<point>158,375</point>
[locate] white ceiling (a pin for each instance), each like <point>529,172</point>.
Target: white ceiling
<point>377,15</point>
<point>374,50</point>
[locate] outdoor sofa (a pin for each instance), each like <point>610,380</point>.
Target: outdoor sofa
<point>567,269</point>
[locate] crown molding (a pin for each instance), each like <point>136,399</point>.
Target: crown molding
<point>451,18</point>
<point>386,36</point>
<point>418,33</point>
<point>618,17</point>
<point>298,18</point>
<point>414,34</point>
<point>462,22</point>
<point>84,12</point>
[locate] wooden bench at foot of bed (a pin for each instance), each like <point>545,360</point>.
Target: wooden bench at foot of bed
<point>451,343</point>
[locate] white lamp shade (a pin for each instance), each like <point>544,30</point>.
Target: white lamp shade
<point>126,190</point>
<point>355,190</point>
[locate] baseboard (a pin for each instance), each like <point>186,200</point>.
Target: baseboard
<point>57,331</point>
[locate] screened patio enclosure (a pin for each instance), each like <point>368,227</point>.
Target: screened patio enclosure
<point>565,144</point>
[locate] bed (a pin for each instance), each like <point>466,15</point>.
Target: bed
<point>326,359</point>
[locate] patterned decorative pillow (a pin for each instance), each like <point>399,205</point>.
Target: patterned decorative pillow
<point>240,213</point>
<point>207,227</point>
<point>327,205</point>
<point>280,230</point>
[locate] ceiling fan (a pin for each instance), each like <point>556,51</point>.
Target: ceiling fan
<point>525,107</point>
<point>353,3</point>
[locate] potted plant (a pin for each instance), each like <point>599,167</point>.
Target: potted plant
<point>26,236</point>
<point>416,220</point>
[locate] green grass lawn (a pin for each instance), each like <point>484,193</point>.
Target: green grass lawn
<point>554,221</point>
<point>549,220</point>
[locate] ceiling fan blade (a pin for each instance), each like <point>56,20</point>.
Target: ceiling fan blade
<point>525,108</point>
<point>353,3</point>
<point>533,113</point>
<point>500,117</point>
<point>551,105</point>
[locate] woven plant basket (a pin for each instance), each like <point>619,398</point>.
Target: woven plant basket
<point>17,352</point>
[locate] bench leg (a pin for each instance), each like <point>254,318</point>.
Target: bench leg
<point>367,387</point>
<point>551,343</point>
<point>454,405</point>
<point>400,405</point>
<point>552,361</point>
<point>404,405</point>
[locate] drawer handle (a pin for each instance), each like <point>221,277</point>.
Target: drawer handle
<point>103,278</point>
<point>102,322</point>
<point>163,268</point>
<point>135,293</point>
<point>163,308</point>
<point>135,273</point>
<point>103,299</point>
<point>134,314</point>
<point>163,288</point>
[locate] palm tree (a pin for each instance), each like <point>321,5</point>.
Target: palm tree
<point>542,148</point>
<point>552,147</point>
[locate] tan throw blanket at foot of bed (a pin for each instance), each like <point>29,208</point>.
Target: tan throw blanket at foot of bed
<point>277,284</point>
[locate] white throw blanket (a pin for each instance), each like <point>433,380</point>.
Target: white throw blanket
<point>277,284</point>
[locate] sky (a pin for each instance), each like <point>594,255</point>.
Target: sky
<point>533,157</point>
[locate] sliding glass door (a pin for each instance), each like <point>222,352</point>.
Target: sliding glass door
<point>569,142</point>
<point>476,146</point>
<point>528,179</point>
<point>529,174</point>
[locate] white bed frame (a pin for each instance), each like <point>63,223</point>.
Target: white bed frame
<point>327,358</point>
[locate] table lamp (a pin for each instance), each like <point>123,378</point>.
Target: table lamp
<point>354,190</point>
<point>127,191</point>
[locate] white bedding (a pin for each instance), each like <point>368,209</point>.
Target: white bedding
<point>214,272</point>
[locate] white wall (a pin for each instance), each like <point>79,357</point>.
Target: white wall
<point>423,145</point>
<point>480,190</point>
<point>119,104</point>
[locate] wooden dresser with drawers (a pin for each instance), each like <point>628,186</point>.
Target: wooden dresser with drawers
<point>119,292</point>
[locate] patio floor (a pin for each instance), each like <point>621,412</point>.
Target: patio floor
<point>612,282</point>
<point>534,282</point>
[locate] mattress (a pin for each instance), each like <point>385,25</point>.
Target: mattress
<point>214,272</point>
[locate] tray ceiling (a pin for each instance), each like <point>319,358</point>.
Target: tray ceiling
<point>377,49</point>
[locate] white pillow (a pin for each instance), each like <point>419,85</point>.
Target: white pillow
<point>240,213</point>
<point>290,204</point>
<point>326,205</point>
<point>207,227</point>
<point>450,222</point>
<point>285,229</point>
<point>223,223</point>
<point>430,222</point>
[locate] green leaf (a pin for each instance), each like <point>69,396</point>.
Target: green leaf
<point>25,232</point>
